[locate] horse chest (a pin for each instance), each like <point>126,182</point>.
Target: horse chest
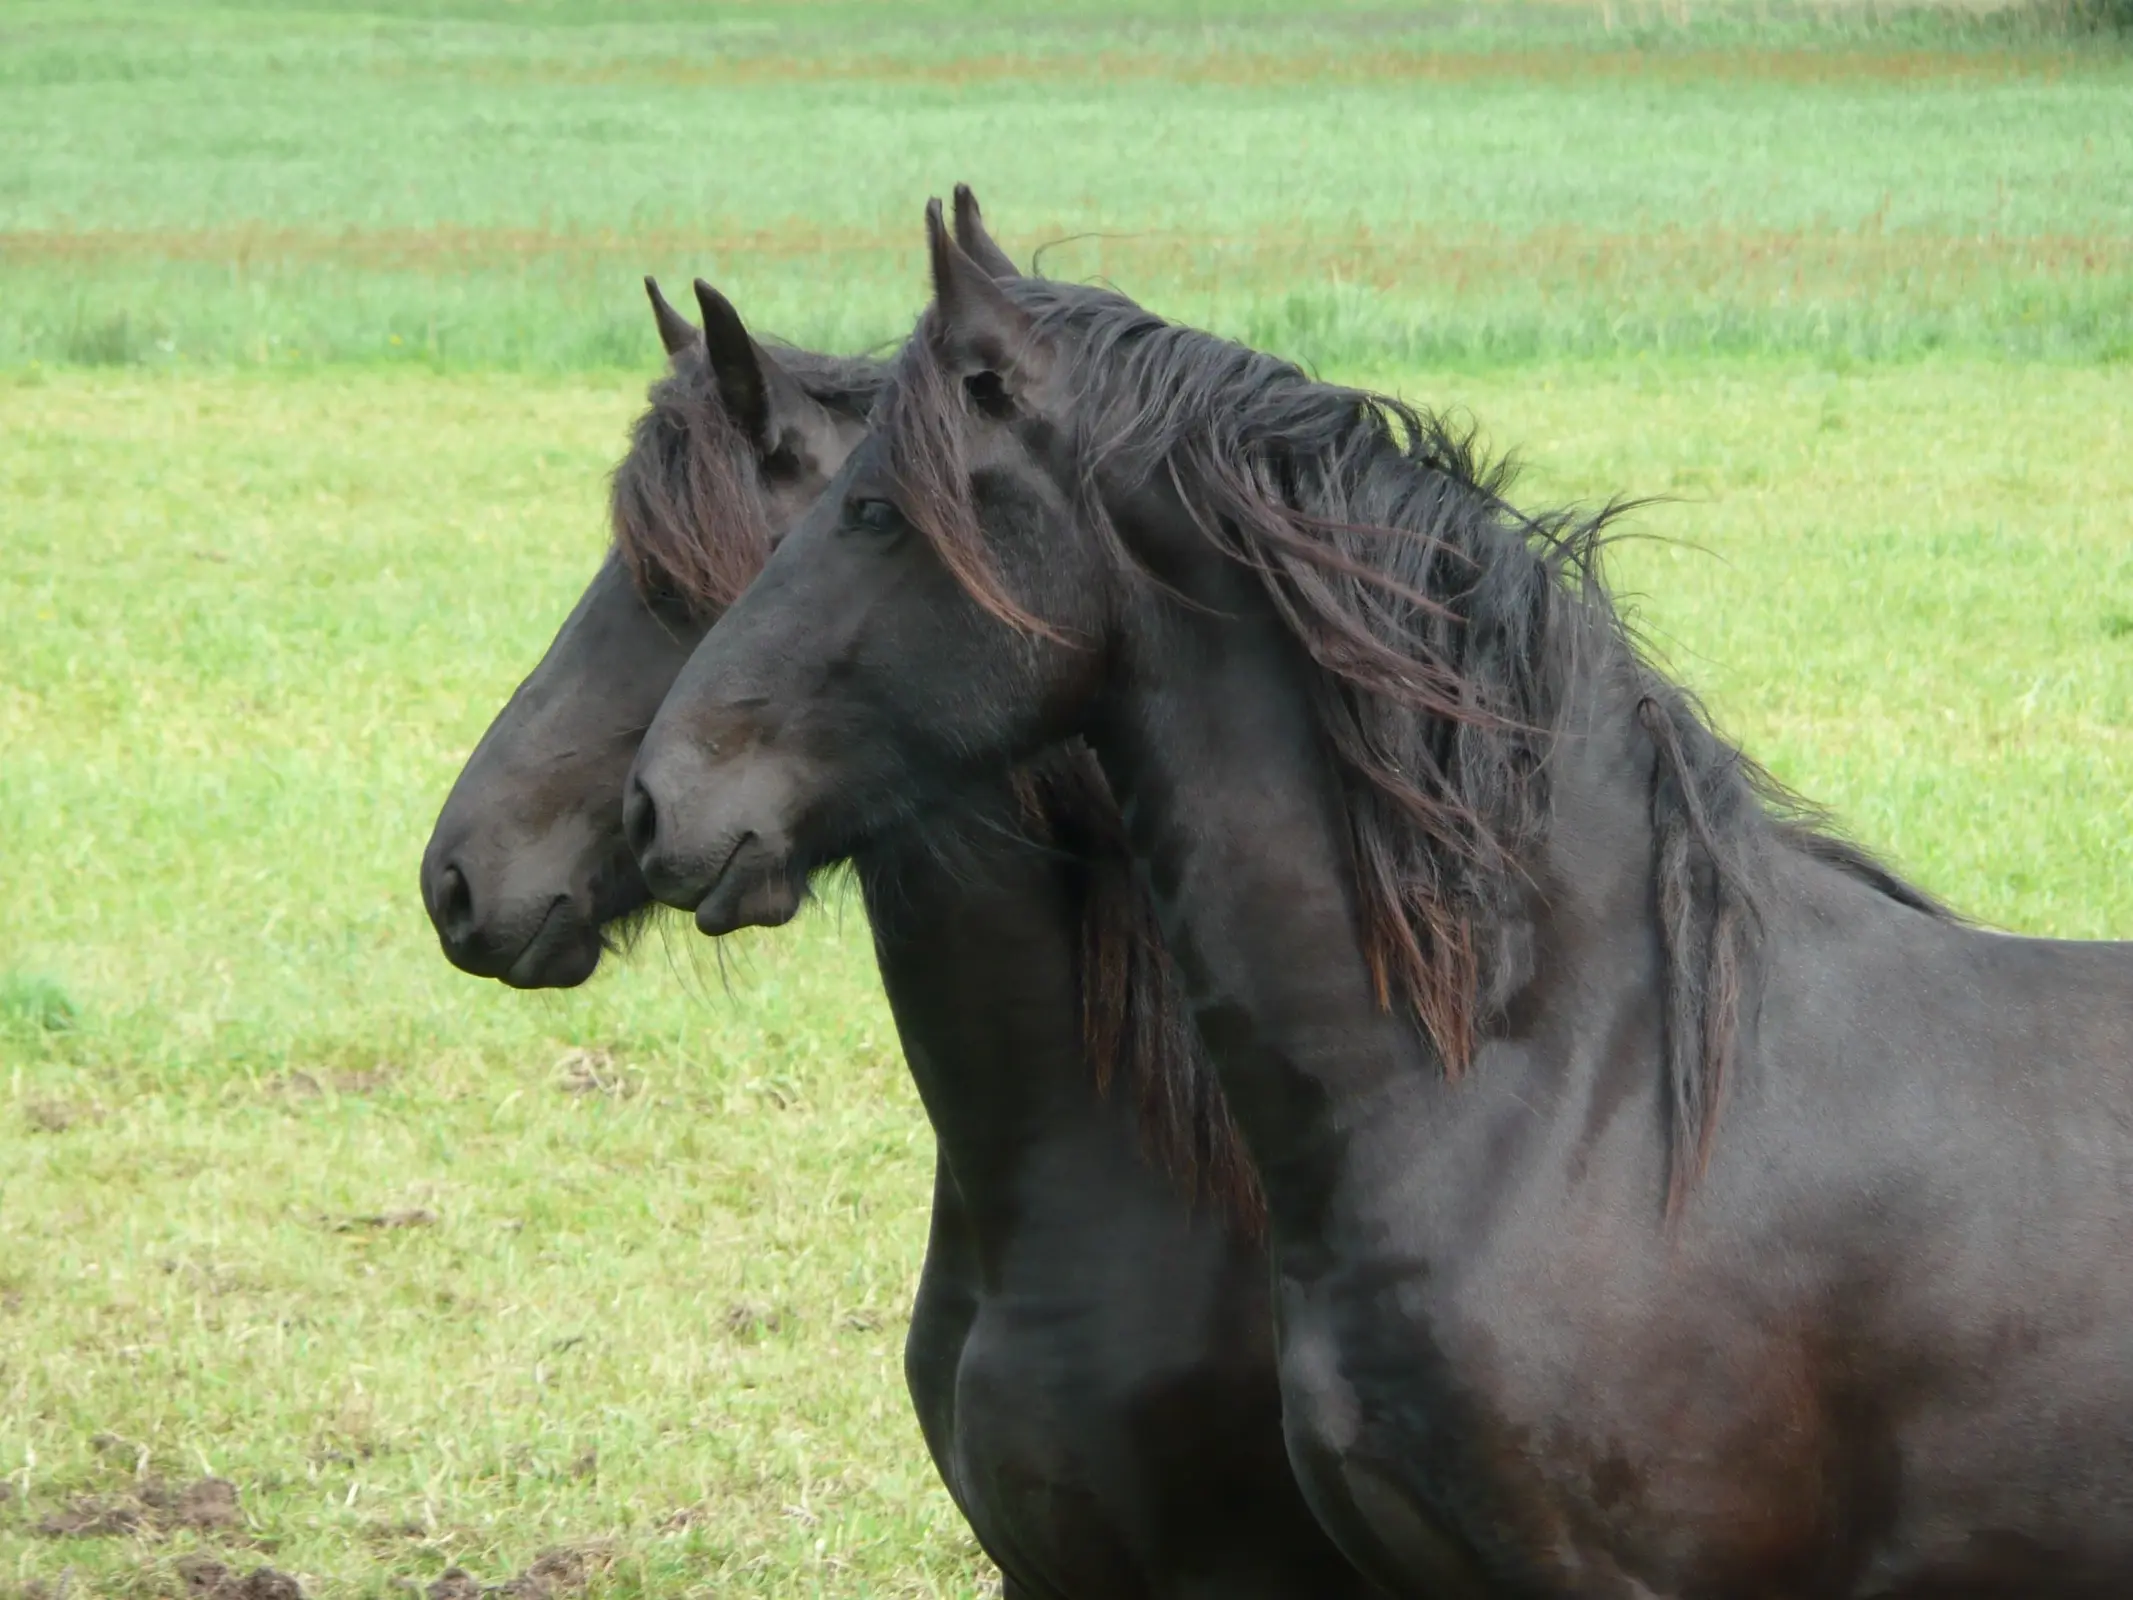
<point>1130,1444</point>
<point>1491,1391</point>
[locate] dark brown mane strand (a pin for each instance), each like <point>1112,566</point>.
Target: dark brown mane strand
<point>686,510</point>
<point>689,474</point>
<point>1706,917</point>
<point>1137,1027</point>
<point>927,469</point>
<point>1447,627</point>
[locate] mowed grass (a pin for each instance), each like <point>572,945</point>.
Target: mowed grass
<point>472,186</point>
<point>255,625</point>
<point>319,329</point>
<point>650,1299</point>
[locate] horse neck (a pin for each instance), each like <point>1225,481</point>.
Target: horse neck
<point>1215,751</point>
<point>977,939</point>
<point>1209,744</point>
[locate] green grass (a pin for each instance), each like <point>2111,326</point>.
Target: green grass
<point>318,330</point>
<point>461,187</point>
<point>258,622</point>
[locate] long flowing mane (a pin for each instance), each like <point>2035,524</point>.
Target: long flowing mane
<point>1447,628</point>
<point>690,523</point>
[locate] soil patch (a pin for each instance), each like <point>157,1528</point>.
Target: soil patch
<point>204,1578</point>
<point>304,1085</point>
<point>153,1507</point>
<point>556,1573</point>
<point>749,1322</point>
<point>57,1116</point>
<point>414,1217</point>
<point>584,1072</point>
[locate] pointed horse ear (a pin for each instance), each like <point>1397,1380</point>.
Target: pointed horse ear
<point>979,331</point>
<point>737,365</point>
<point>676,332</point>
<point>976,242</point>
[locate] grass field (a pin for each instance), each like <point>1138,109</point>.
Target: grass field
<point>458,187</point>
<point>318,330</point>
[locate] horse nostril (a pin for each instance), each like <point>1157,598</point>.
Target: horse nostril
<point>640,819</point>
<point>455,902</point>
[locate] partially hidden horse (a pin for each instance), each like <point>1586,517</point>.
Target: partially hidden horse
<point>1665,1199</point>
<point>1090,1354</point>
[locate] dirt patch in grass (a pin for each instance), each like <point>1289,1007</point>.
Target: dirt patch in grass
<point>559,1571</point>
<point>593,1072</point>
<point>204,1578</point>
<point>302,1084</point>
<point>394,1531</point>
<point>192,1577</point>
<point>53,1116</point>
<point>379,1221</point>
<point>748,1322</point>
<point>151,1508</point>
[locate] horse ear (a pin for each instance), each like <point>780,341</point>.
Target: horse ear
<point>976,242</point>
<point>979,330</point>
<point>736,364</point>
<point>675,330</point>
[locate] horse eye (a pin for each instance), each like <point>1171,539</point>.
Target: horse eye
<point>989,395</point>
<point>876,516</point>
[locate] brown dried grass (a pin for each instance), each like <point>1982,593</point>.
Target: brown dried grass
<point>1567,258</point>
<point>1566,64</point>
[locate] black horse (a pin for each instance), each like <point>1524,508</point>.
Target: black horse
<point>1091,1352</point>
<point>1665,1199</point>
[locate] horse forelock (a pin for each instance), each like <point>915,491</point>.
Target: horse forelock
<point>686,506</point>
<point>687,510</point>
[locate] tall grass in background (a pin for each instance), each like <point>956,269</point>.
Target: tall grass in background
<point>474,187</point>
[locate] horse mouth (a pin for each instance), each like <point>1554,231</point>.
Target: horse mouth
<point>745,893</point>
<point>559,955</point>
<point>707,917</point>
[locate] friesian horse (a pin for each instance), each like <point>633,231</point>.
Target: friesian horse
<point>1665,1198</point>
<point>1091,1353</point>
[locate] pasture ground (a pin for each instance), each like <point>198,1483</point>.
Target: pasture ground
<point>318,331</point>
